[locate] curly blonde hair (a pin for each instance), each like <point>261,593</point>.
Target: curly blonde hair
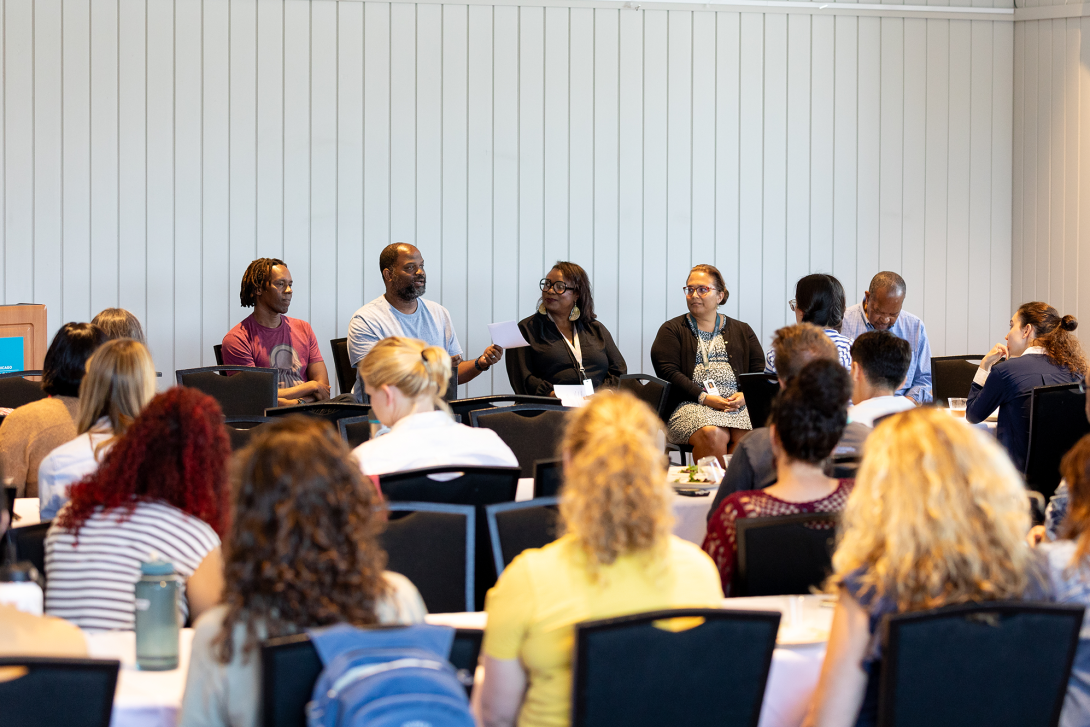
<point>938,516</point>
<point>409,365</point>
<point>615,498</point>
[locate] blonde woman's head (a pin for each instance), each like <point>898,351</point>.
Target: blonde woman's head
<point>403,376</point>
<point>119,323</point>
<point>938,516</point>
<point>119,382</point>
<point>615,498</point>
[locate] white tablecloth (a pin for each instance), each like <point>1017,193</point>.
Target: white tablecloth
<point>143,698</point>
<point>26,508</point>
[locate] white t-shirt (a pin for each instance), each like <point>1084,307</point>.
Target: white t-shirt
<point>865,412</point>
<point>432,439</point>
<point>65,466</point>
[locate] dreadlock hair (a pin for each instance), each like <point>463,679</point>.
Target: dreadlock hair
<point>176,451</point>
<point>255,279</point>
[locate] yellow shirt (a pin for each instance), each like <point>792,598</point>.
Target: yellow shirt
<point>544,592</point>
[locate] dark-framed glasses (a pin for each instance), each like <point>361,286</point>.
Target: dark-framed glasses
<point>557,286</point>
<point>698,290</point>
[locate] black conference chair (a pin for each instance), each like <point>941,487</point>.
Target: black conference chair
<point>532,431</point>
<point>462,407</point>
<point>1019,655</point>
<point>331,411</point>
<point>354,430</point>
<point>434,546</point>
<point>241,429</point>
<point>29,543</point>
<point>952,376</point>
<point>16,390</point>
<point>1057,420</point>
<point>628,671</point>
<point>785,554</point>
<point>548,477</point>
<point>759,389</point>
<point>651,390</point>
<point>346,372</point>
<point>58,692</point>
<point>290,666</point>
<point>246,393</point>
<point>217,350</point>
<point>517,526</point>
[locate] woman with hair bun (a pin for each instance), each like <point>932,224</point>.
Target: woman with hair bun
<point>807,420</point>
<point>617,557</point>
<point>1039,350</point>
<point>406,379</point>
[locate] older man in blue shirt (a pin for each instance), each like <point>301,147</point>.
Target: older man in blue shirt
<point>881,311</point>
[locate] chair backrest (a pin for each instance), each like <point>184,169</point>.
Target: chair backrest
<point>346,372</point>
<point>630,671</point>
<point>240,429</point>
<point>952,376</point>
<point>759,389</point>
<point>651,390</point>
<point>1019,655</point>
<point>290,666</point>
<point>58,692</point>
<point>784,554</point>
<point>29,542</point>
<point>532,431</point>
<point>246,393</point>
<point>434,546</point>
<point>331,411</point>
<point>462,407</point>
<point>517,526</point>
<point>16,390</point>
<point>548,477</point>
<point>1057,420</point>
<point>354,430</point>
<point>217,350</point>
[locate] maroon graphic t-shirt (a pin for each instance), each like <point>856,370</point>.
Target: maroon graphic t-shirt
<point>290,348</point>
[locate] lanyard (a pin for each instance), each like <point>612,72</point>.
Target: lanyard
<point>576,350</point>
<point>706,347</point>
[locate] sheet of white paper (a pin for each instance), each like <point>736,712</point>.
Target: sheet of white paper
<point>507,334</point>
<point>570,395</point>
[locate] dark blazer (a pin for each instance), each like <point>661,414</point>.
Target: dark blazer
<point>1009,387</point>
<point>673,355</point>
<point>534,369</point>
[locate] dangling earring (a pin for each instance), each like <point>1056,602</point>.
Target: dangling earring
<point>541,309</point>
<point>575,313</point>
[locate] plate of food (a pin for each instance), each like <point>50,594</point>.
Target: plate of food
<point>690,476</point>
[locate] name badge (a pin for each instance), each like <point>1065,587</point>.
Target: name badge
<point>711,388</point>
<point>588,388</point>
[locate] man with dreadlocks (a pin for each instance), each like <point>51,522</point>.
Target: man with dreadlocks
<point>267,338</point>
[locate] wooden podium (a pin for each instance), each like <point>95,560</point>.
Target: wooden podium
<point>26,322</point>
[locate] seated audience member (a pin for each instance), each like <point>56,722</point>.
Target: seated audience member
<point>267,338</point>
<point>24,634</point>
<point>33,430</point>
<point>881,311</point>
<point>303,551</point>
<point>819,299</point>
<point>701,346</point>
<point>161,487</point>
<point>401,311</point>
<point>806,422</point>
<point>617,557</point>
<point>406,380</point>
<point>1040,350</point>
<point>119,323</point>
<point>119,383</point>
<point>938,517</point>
<point>879,363</point>
<point>1056,511</point>
<point>753,464</point>
<point>568,344</point>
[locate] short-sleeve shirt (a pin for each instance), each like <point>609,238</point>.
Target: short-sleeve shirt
<point>431,323</point>
<point>539,598</point>
<point>843,351</point>
<point>289,348</point>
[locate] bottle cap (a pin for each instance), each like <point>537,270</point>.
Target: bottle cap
<point>154,566</point>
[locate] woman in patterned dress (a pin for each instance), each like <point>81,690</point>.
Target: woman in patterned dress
<point>696,350</point>
<point>807,420</point>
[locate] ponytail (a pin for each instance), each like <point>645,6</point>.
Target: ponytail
<point>413,367</point>
<point>1054,332</point>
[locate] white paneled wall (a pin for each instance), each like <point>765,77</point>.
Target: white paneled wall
<point>152,148</point>
<point>1051,253</point>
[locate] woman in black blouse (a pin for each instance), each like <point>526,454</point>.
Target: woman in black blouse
<point>567,344</point>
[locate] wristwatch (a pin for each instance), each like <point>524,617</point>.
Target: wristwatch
<point>702,397</point>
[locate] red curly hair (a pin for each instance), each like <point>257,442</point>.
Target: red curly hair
<point>176,452</point>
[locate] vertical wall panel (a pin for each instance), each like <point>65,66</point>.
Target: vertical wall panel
<point>132,248</point>
<point>380,119</point>
<point>1002,177</point>
<point>296,130</point>
<point>799,125</point>
<point>76,161</point>
<point>632,336</point>
<point>505,171</point>
<point>218,290</point>
<point>350,187</point>
<point>19,152</point>
<point>703,146</point>
<point>914,192</point>
<point>323,170</point>
<point>243,140</point>
<point>606,161</point>
<point>429,142</point>
<point>869,243</point>
<point>269,125</point>
<point>936,181</point>
<point>655,130</point>
<point>750,164</point>
<point>580,151</point>
<point>48,146</point>
<point>187,181</point>
<point>958,199</point>
<point>159,324</point>
<point>103,156</point>
<point>822,130</point>
<point>891,159</point>
<point>399,41</point>
<point>727,116</point>
<point>556,135</point>
<point>455,250</point>
<point>531,140</point>
<point>679,149</point>
<point>776,290</point>
<point>978,287</point>
<point>845,148</point>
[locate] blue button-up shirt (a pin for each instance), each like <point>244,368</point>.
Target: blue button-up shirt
<point>909,327</point>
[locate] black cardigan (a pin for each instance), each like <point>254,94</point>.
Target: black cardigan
<point>673,355</point>
<point>534,369</point>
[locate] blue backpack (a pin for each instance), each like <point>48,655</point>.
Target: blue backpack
<point>387,677</point>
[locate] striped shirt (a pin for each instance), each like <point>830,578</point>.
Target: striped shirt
<point>843,350</point>
<point>90,582</point>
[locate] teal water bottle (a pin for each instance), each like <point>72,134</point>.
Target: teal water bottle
<point>156,611</point>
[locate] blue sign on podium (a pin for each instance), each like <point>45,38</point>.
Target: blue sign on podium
<point>11,354</point>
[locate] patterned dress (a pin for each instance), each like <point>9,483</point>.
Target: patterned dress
<point>721,542</point>
<point>689,416</point>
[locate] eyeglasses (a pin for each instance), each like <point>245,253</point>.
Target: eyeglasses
<point>698,290</point>
<point>557,286</point>
<point>793,305</point>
